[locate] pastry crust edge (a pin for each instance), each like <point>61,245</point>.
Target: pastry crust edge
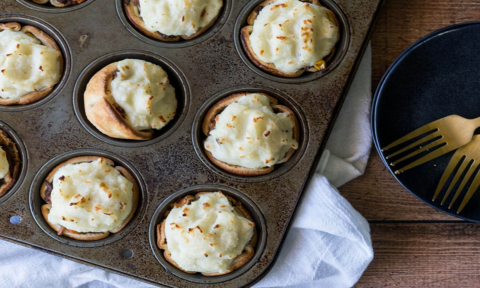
<point>90,236</point>
<point>47,41</point>
<point>14,161</point>
<point>270,67</point>
<point>101,111</point>
<point>218,107</point>
<point>58,3</point>
<point>138,23</point>
<point>238,262</point>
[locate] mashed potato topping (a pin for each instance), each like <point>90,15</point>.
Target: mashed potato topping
<point>26,65</point>
<point>292,35</point>
<point>250,134</point>
<point>175,17</point>
<point>143,90</point>
<point>207,235</point>
<point>90,197</point>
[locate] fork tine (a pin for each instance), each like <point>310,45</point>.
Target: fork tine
<point>424,139</point>
<point>422,130</point>
<point>473,188</point>
<point>437,153</point>
<point>462,185</point>
<point>418,151</point>
<point>455,179</point>
<point>448,171</point>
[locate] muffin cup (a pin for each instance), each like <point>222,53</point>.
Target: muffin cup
<point>48,8</point>
<point>334,60</point>
<point>169,42</point>
<point>177,80</point>
<point>24,20</point>
<point>198,136</point>
<point>36,201</point>
<point>249,205</point>
<point>22,151</point>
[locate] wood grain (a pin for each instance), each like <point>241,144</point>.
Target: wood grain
<point>424,255</point>
<point>379,197</point>
<point>432,249</point>
<point>401,22</point>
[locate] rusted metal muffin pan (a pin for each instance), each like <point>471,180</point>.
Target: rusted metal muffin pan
<point>96,33</point>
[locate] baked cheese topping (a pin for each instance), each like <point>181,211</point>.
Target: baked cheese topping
<point>178,17</point>
<point>207,235</point>
<point>90,197</point>
<point>26,65</point>
<point>250,134</point>
<point>293,35</point>
<point>4,166</point>
<point>143,90</point>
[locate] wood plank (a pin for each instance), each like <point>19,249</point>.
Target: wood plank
<point>412,254</point>
<point>424,255</point>
<point>379,197</point>
<point>376,194</point>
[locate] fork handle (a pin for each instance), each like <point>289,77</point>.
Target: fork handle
<point>476,121</point>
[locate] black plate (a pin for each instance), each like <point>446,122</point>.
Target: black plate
<point>439,75</point>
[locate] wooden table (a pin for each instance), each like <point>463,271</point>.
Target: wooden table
<point>415,245</point>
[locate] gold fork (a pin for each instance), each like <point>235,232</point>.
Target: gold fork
<point>469,153</point>
<point>452,132</point>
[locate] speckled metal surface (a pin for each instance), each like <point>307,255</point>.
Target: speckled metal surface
<point>170,164</point>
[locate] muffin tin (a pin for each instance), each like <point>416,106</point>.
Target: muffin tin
<point>172,164</point>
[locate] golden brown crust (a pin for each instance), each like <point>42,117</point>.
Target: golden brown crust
<point>209,123</point>
<point>60,3</point>
<point>270,67</point>
<point>238,262</point>
<point>14,161</point>
<point>133,14</point>
<point>103,111</point>
<point>46,40</point>
<point>238,170</point>
<point>91,236</point>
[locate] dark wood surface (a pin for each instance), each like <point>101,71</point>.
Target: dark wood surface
<point>415,245</point>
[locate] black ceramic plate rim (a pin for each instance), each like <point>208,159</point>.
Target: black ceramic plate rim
<point>377,96</point>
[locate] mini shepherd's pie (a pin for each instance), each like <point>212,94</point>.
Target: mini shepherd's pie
<point>88,198</point>
<point>288,37</point>
<point>30,64</point>
<point>172,20</point>
<point>59,3</point>
<point>9,163</point>
<point>208,233</point>
<point>130,99</point>
<point>248,133</point>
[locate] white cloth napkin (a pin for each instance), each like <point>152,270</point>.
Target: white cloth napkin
<point>328,244</point>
